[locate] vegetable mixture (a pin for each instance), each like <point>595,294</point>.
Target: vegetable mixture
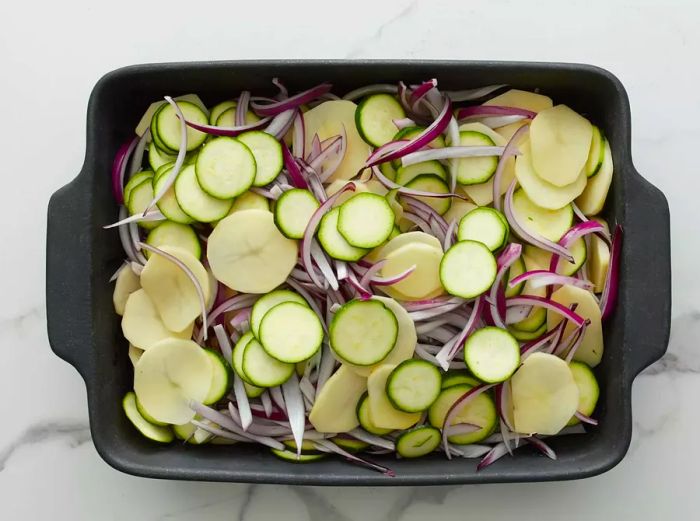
<point>398,271</point>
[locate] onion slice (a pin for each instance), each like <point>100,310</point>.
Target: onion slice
<point>540,278</point>
<point>509,151</point>
<point>457,407</point>
<point>493,110</point>
<point>533,300</point>
<point>272,109</point>
<point>295,409</point>
<point>609,296</point>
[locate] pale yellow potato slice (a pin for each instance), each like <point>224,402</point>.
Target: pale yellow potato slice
<point>538,259</point>
<point>550,224</point>
<point>142,325</point>
<point>407,238</point>
<point>540,192</point>
<point>458,209</point>
<point>591,349</point>
<point>425,278</point>
<point>598,259</point>
<point>406,339</point>
<point>592,200</point>
<point>127,282</point>
<point>327,120</point>
<point>381,412</point>
<point>248,253</point>
<point>544,393</point>
<point>521,99</point>
<point>168,376</point>
<point>134,354</point>
<point>170,289</point>
<point>482,194</point>
<point>560,140</point>
<point>334,408</point>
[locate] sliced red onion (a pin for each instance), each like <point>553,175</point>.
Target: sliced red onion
<point>542,447</point>
<point>426,314</point>
<point>386,148</point>
<point>281,123</point>
<point>340,156</point>
<point>403,123</point>
<point>461,428</point>
<point>449,235</point>
<point>377,441</point>
<point>190,275</point>
<point>319,257</point>
<point>448,352</point>
<point>259,411</point>
<point>504,403</point>
<point>299,135</point>
<point>115,275</point>
<point>394,279</point>
<point>220,432</point>
<point>124,237</point>
<point>242,402</point>
<point>359,290</point>
<point>541,278</point>
<point>427,211</point>
<point>609,296</point>
<point>315,184</point>
<point>283,94</point>
<point>422,223</point>
<point>420,91</point>
<point>577,231</point>
<point>509,151</point>
<point>293,169</point>
<point>278,398</point>
<point>242,108</point>
<point>497,452</point>
<point>564,346</point>
<point>325,368</point>
<point>224,343</point>
<point>420,305</point>
<point>578,342</point>
<point>506,259</point>
<point>371,272</point>
<point>341,269</point>
<point>241,320</point>
<point>119,168</point>
<point>182,152</point>
<point>435,129</point>
<point>329,446</point>
<point>233,304</point>
<point>457,407</point>
<point>493,110</point>
<point>315,146</point>
<point>266,403</point>
<point>295,409</point>
<point>378,88</point>
<point>533,300</point>
<point>469,451</point>
<point>154,215</point>
<point>423,354</point>
<point>307,241</point>
<point>327,147</point>
<point>453,152</point>
<point>307,388</point>
<point>532,238</point>
<point>213,130</point>
<point>517,313</point>
<point>272,109</point>
<point>454,319</point>
<point>473,94</point>
<point>391,185</point>
<point>535,345</point>
<point>585,419</point>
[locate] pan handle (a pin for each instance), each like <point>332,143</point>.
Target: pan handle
<point>646,265</point>
<point>68,274</point>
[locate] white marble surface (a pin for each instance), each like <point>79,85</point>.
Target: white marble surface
<point>53,54</point>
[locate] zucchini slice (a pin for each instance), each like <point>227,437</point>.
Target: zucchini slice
<point>413,385</point>
<point>419,441</point>
<point>225,167</point>
<point>492,354</point>
<point>467,269</point>
<point>159,433</point>
<point>293,210</point>
<point>485,225</point>
<point>291,332</point>
<point>374,118</point>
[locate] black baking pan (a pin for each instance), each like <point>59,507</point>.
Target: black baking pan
<point>81,256</point>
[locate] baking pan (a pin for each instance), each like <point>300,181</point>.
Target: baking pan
<point>81,256</point>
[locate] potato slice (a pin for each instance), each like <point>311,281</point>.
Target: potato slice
<point>592,200</point>
<point>538,259</point>
<point>127,282</point>
<point>591,349</point>
<point>458,209</point>
<point>545,395</point>
<point>560,139</point>
<point>248,253</point>
<point>171,290</point>
<point>522,99</point>
<point>334,408</point>
<point>168,376</point>
<point>424,280</point>
<point>551,224</point>
<point>405,340</point>
<point>381,412</point>
<point>598,259</point>
<point>482,194</point>
<point>327,120</point>
<point>540,192</point>
<point>142,325</point>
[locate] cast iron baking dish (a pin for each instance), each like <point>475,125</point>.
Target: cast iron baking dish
<point>85,331</point>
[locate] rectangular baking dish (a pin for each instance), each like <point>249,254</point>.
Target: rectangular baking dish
<point>81,256</point>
